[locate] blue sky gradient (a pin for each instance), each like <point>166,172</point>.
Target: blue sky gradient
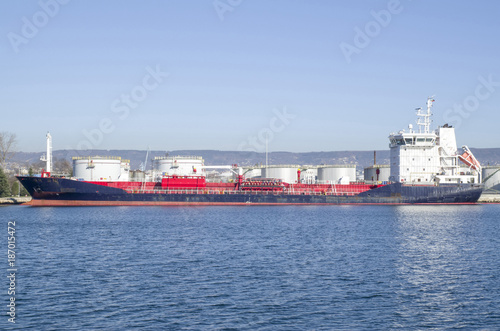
<point>231,72</point>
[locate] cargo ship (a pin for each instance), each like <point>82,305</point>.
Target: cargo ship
<point>425,168</point>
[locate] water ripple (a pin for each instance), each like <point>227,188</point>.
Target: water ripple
<point>259,268</point>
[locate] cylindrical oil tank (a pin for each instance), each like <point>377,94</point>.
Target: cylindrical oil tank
<point>100,168</point>
<point>179,165</point>
<point>491,177</point>
<point>377,172</point>
<point>252,172</point>
<point>137,176</point>
<point>287,173</point>
<point>335,174</point>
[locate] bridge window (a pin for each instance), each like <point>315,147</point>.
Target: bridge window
<point>400,141</point>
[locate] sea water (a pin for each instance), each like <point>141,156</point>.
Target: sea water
<point>253,268</point>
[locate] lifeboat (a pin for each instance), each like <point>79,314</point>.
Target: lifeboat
<point>468,158</point>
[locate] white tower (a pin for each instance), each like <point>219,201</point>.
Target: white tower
<point>49,153</point>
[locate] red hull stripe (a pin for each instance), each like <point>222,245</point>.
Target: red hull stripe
<point>58,203</point>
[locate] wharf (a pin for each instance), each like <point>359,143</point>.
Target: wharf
<point>14,200</point>
<point>489,198</point>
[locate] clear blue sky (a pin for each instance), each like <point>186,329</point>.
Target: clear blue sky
<point>227,78</point>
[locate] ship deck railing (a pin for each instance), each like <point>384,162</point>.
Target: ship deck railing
<point>203,191</point>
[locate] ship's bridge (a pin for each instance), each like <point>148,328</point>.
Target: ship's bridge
<point>412,139</point>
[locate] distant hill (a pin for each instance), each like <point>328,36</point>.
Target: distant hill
<point>213,157</point>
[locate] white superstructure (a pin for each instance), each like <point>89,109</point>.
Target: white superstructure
<point>424,156</point>
<point>309,174</point>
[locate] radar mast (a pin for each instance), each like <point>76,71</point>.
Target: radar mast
<point>424,118</point>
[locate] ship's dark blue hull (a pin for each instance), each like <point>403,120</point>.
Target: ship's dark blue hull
<point>61,192</point>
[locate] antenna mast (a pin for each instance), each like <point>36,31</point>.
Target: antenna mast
<point>424,118</point>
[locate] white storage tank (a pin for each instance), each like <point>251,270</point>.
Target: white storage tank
<point>179,165</point>
<point>287,173</point>
<point>384,171</point>
<point>252,172</point>
<point>101,168</point>
<point>336,174</point>
<point>491,176</point>
<point>137,176</point>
